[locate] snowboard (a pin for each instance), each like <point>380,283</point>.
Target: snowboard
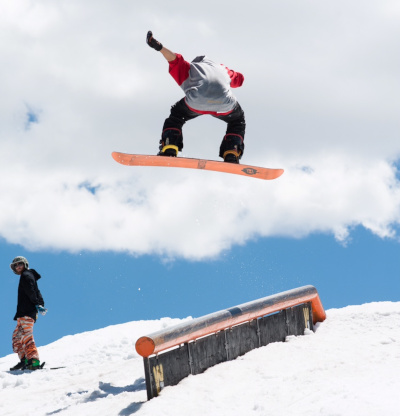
<point>42,367</point>
<point>190,163</point>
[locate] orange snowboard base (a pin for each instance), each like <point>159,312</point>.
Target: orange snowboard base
<point>184,162</point>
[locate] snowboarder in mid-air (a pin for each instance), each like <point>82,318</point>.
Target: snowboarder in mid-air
<point>30,302</point>
<point>207,86</point>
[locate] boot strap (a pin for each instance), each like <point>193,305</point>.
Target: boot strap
<point>233,152</point>
<point>170,146</point>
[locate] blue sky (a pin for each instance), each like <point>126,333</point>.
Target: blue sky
<point>116,243</point>
<point>92,290</point>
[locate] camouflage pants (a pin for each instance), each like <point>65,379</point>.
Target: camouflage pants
<point>22,339</point>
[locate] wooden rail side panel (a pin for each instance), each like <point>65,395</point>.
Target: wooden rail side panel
<point>297,320</point>
<point>207,352</point>
<point>242,338</point>
<point>170,367</point>
<point>273,328</point>
<point>167,369</point>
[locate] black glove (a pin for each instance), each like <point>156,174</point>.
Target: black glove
<point>155,44</point>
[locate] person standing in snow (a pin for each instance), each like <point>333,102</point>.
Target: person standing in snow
<point>207,86</point>
<point>30,302</point>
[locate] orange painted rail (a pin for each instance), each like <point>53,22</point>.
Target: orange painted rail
<point>218,321</point>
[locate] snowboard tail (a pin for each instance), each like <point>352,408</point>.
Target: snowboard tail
<point>190,163</point>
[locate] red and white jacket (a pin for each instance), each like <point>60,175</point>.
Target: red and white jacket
<point>207,85</point>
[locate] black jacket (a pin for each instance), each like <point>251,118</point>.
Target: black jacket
<point>28,295</point>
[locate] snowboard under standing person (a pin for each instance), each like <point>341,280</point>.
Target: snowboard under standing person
<point>207,86</point>
<point>30,302</point>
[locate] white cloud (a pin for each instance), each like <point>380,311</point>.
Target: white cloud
<point>321,100</point>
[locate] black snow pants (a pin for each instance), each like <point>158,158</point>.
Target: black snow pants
<point>236,124</point>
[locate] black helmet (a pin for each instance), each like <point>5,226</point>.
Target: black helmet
<point>19,259</point>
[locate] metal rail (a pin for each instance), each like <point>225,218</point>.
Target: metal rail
<point>218,321</point>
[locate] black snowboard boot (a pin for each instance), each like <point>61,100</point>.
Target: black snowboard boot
<point>21,365</point>
<point>171,142</point>
<point>232,147</point>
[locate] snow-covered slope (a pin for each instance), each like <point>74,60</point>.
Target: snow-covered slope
<point>349,366</point>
